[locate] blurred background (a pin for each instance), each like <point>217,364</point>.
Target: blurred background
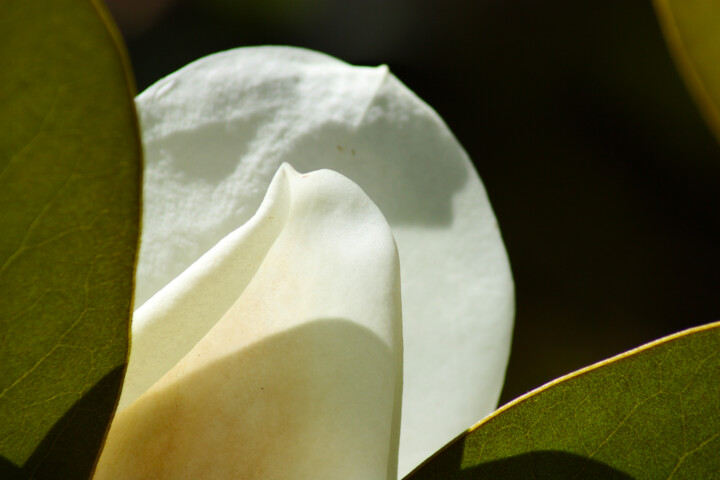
<point>603,176</point>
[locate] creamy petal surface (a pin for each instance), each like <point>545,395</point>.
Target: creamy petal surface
<point>216,131</point>
<point>300,377</point>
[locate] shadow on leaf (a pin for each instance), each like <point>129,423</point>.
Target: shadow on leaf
<point>70,448</point>
<point>538,465</point>
<point>550,464</point>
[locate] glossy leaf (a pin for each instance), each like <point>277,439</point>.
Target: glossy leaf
<point>69,212</point>
<point>692,30</point>
<point>651,413</point>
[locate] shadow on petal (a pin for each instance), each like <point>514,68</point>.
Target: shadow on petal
<point>315,401</point>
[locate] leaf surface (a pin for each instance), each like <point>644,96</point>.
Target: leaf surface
<point>651,413</point>
<point>692,30</point>
<point>70,171</point>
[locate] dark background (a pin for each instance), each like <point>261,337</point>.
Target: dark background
<point>603,176</point>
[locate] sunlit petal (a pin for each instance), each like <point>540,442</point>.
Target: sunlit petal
<point>216,131</point>
<point>301,376</point>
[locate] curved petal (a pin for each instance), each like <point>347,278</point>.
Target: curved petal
<point>215,132</point>
<point>301,376</point>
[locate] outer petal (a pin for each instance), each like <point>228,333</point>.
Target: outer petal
<point>216,131</point>
<point>301,377</point>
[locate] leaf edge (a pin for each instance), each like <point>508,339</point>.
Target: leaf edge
<point>590,368</point>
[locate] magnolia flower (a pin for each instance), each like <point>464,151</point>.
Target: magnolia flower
<point>277,349</point>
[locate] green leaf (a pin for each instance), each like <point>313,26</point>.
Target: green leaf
<point>70,171</point>
<point>650,413</point>
<point>692,30</point>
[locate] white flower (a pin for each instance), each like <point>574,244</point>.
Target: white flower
<point>278,352</point>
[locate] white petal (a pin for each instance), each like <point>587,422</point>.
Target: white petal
<point>301,378</point>
<point>216,131</point>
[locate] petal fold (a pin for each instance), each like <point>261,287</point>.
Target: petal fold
<point>300,376</point>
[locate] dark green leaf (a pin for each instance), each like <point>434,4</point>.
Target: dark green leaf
<point>651,413</point>
<point>69,212</point>
<point>692,30</point>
